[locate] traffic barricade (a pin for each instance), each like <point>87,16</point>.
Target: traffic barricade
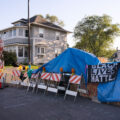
<point>33,81</point>
<point>23,83</point>
<point>74,80</point>
<point>43,82</point>
<point>15,77</point>
<point>2,79</point>
<point>54,82</point>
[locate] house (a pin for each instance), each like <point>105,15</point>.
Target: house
<point>47,40</point>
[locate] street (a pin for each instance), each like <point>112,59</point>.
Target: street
<point>15,104</point>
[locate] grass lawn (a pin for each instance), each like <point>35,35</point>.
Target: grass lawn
<point>8,66</point>
<point>32,67</point>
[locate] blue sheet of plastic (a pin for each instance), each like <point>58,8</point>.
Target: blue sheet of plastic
<point>110,92</point>
<point>71,58</point>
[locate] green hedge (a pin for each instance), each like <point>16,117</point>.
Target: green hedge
<point>9,58</point>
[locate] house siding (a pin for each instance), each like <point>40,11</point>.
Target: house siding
<point>16,40</point>
<point>49,42</point>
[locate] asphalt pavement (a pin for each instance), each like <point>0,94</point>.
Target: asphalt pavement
<point>15,104</point>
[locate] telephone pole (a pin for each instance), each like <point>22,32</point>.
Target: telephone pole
<point>29,56</point>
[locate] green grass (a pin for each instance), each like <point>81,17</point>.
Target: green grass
<point>8,66</point>
<point>32,66</point>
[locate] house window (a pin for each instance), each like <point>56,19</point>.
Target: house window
<point>42,50</point>
<point>26,33</point>
<point>41,32</point>
<point>25,51</point>
<point>57,35</point>
<point>14,32</point>
<point>10,33</point>
<point>20,32</point>
<point>18,24</point>
<point>20,51</point>
<point>38,50</point>
<point>4,35</point>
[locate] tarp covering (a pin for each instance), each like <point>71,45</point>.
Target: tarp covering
<point>110,92</point>
<point>71,58</point>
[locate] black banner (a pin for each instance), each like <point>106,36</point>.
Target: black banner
<point>103,72</point>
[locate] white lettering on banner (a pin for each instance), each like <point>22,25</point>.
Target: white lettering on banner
<point>102,72</point>
<point>110,77</point>
<point>93,66</point>
<point>94,71</point>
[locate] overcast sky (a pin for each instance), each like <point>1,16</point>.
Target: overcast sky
<point>70,11</point>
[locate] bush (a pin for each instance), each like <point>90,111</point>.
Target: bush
<point>9,58</point>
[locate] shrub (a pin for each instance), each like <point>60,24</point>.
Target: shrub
<point>9,58</point>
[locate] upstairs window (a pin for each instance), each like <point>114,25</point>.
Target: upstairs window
<point>26,33</point>
<point>10,33</point>
<point>42,50</point>
<point>41,32</point>
<point>57,35</point>
<point>4,35</point>
<point>20,32</point>
<point>14,32</point>
<point>38,50</point>
<point>18,24</point>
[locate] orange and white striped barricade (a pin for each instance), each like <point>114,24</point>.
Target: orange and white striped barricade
<point>15,77</point>
<point>74,80</point>
<point>54,82</point>
<point>44,78</point>
<point>1,80</point>
<point>1,65</point>
<point>33,81</point>
<point>23,83</point>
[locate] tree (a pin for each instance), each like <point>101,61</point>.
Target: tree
<point>54,19</point>
<point>95,34</point>
<point>41,16</point>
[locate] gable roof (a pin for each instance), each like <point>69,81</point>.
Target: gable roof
<point>38,20</point>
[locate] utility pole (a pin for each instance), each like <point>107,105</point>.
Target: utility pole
<point>29,57</point>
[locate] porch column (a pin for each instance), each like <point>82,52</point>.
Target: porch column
<point>16,51</point>
<point>33,51</point>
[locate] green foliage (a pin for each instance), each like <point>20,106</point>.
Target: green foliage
<point>41,16</point>
<point>108,53</point>
<point>53,19</point>
<point>95,34</point>
<point>9,58</point>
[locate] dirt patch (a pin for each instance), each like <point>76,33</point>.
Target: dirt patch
<point>9,76</point>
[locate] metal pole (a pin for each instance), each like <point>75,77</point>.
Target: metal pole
<point>29,57</point>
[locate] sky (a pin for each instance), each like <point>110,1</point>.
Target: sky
<point>70,11</point>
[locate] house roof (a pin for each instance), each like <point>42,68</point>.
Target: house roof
<point>38,20</point>
<point>12,28</point>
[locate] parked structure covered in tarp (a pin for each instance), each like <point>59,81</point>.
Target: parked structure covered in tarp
<point>110,91</point>
<point>71,58</point>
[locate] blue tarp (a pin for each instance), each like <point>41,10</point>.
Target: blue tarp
<point>110,92</point>
<point>71,58</point>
